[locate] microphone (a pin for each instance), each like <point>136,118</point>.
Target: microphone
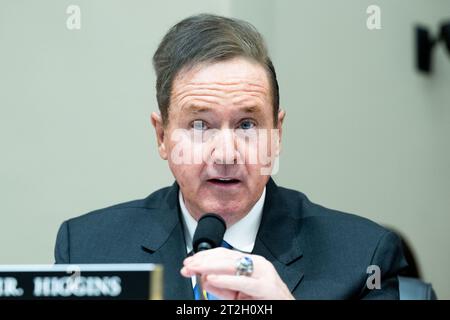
<point>208,235</point>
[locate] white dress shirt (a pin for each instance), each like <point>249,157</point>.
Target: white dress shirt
<point>240,236</point>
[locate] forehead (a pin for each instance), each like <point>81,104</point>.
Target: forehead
<point>222,71</point>
<point>234,75</point>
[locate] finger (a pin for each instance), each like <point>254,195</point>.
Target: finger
<point>209,264</point>
<point>245,285</point>
<point>218,268</point>
<point>243,296</point>
<point>221,293</point>
<point>186,273</point>
<point>216,252</point>
<point>218,292</point>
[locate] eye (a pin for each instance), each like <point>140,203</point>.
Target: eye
<point>199,125</point>
<point>247,124</point>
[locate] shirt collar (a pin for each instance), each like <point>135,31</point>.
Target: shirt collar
<point>240,236</point>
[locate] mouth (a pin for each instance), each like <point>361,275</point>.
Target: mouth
<point>224,182</point>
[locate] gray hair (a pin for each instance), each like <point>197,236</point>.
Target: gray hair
<point>208,38</point>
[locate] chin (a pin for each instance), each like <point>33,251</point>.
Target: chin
<point>227,210</point>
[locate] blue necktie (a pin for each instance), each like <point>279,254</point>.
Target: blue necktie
<point>209,296</point>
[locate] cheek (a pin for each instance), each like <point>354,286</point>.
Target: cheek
<point>187,176</point>
<point>183,149</point>
<point>183,160</point>
<point>247,147</point>
<point>257,148</point>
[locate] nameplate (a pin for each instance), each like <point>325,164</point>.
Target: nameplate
<point>82,281</point>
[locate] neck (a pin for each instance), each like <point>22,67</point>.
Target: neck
<point>230,217</point>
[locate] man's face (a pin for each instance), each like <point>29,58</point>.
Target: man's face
<point>214,140</point>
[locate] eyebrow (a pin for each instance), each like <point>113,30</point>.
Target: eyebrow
<point>197,109</point>
<point>251,109</point>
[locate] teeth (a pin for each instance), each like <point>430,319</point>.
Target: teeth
<point>224,179</point>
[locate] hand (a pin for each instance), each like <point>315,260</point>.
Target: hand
<point>218,269</point>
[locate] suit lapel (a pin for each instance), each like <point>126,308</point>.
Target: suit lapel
<point>277,240</point>
<point>278,237</point>
<point>165,244</point>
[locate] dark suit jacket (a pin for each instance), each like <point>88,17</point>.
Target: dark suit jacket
<point>319,253</point>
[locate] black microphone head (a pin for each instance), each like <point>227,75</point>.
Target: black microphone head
<point>209,233</point>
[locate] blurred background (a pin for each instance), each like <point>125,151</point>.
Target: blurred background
<point>365,132</point>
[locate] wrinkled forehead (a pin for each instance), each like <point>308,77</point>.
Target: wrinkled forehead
<point>237,74</point>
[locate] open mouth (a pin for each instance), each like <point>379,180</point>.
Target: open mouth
<point>225,182</point>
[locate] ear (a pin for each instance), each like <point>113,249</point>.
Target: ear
<point>281,115</point>
<point>160,135</point>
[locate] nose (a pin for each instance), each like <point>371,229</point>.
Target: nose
<point>224,148</point>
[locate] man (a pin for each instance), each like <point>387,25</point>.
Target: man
<point>219,111</point>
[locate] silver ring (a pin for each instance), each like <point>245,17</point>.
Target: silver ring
<point>244,266</point>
